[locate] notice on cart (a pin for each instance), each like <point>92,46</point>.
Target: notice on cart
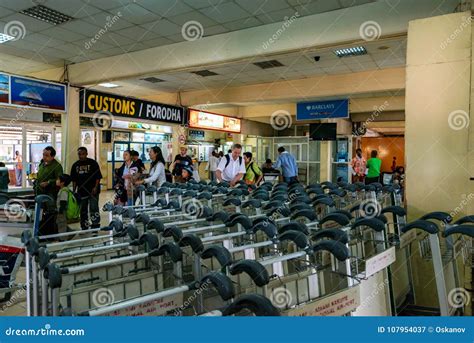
<point>337,304</point>
<point>158,307</point>
<point>380,261</point>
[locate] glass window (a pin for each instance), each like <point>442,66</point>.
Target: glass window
<point>88,141</point>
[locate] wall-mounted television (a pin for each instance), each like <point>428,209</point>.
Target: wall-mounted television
<point>323,131</point>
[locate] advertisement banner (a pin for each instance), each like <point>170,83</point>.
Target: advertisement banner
<point>4,88</point>
<point>37,94</point>
<point>121,106</point>
<point>212,121</point>
<point>322,110</point>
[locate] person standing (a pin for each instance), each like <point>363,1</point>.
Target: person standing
<point>49,170</point>
<point>124,180</point>
<point>253,174</point>
<point>181,160</point>
<point>137,160</point>
<point>373,165</point>
<point>213,163</point>
<point>18,168</point>
<point>358,167</point>
<point>157,169</point>
<point>85,177</point>
<point>287,163</point>
<point>232,167</point>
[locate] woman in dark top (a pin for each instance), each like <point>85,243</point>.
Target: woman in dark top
<point>124,180</point>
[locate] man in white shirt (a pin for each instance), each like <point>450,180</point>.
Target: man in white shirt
<point>231,168</point>
<point>213,162</point>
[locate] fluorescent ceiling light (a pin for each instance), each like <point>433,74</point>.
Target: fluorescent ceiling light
<point>5,38</point>
<point>354,51</point>
<point>108,85</point>
<point>47,14</point>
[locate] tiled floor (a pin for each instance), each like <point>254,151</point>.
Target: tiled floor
<point>16,306</point>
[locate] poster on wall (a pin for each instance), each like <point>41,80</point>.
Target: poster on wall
<point>38,94</point>
<point>212,121</point>
<point>4,88</point>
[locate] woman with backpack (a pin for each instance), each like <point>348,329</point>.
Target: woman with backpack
<point>157,174</point>
<point>253,174</point>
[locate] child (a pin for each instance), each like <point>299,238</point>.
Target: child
<point>187,174</point>
<point>67,205</point>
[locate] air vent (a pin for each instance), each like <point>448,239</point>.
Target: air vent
<point>152,79</point>
<point>47,14</point>
<point>204,73</point>
<point>347,52</point>
<point>268,64</point>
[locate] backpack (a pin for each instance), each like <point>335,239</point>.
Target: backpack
<point>251,167</point>
<point>227,158</point>
<point>73,210</point>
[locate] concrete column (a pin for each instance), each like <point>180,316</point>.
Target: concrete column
<point>438,137</point>
<point>177,131</point>
<point>71,134</point>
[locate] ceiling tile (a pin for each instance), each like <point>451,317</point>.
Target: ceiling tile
<point>134,47</point>
<point>109,4</point>
<point>136,14</point>
<point>176,38</point>
<point>136,33</point>
<point>163,27</point>
<point>214,30</point>
<point>116,39</point>
<point>339,69</point>
<point>152,43</point>
<point>192,16</point>
<point>75,9</point>
<point>319,6</point>
<point>97,45</point>
<point>82,27</point>
<point>242,24</point>
<point>115,21</point>
<point>225,12</point>
<point>350,3</point>
<point>5,12</point>
<point>204,3</point>
<point>39,38</point>
<point>277,16</point>
<point>165,8</point>
<point>17,5</point>
<point>60,33</point>
<point>255,7</point>
<point>31,24</point>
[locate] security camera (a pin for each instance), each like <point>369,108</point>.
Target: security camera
<point>317,58</point>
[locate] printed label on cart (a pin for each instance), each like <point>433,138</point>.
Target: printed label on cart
<point>407,238</point>
<point>379,262</point>
<point>337,304</point>
<point>158,307</point>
